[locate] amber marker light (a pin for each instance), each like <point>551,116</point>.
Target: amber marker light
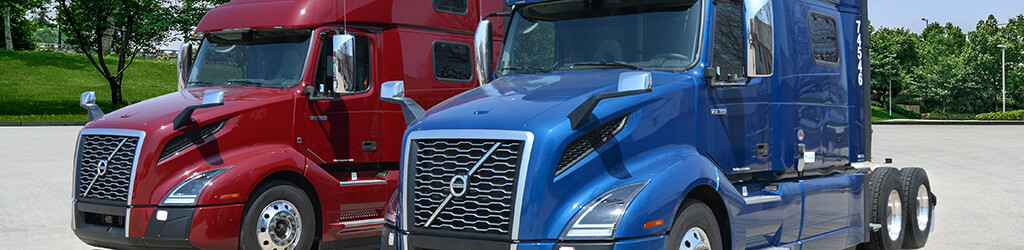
<point>653,224</point>
<point>235,195</point>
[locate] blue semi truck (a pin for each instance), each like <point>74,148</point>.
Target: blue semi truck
<point>649,124</point>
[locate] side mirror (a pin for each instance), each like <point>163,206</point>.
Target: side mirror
<point>635,81</point>
<point>483,44</point>
<point>184,64</point>
<point>343,53</point>
<point>394,92</point>
<point>211,98</point>
<point>630,83</point>
<point>88,101</point>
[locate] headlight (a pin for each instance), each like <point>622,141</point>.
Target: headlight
<point>187,192</point>
<point>599,218</point>
<point>391,212</point>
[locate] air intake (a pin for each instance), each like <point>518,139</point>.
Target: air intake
<point>589,142</point>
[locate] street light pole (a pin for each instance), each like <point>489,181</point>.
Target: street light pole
<point>1004,76</point>
<point>893,56</point>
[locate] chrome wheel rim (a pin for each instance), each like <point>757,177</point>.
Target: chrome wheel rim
<point>894,216</point>
<point>695,238</point>
<point>923,207</point>
<point>279,226</point>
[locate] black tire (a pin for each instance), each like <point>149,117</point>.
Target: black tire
<point>911,182</point>
<point>694,215</point>
<point>279,193</point>
<point>882,183</point>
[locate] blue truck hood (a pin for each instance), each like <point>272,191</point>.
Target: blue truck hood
<point>511,103</point>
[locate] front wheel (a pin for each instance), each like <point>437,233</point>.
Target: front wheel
<point>695,228</point>
<point>279,218</point>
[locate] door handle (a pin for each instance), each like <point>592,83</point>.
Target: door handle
<point>762,149</point>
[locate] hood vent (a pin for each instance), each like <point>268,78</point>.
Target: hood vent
<point>589,142</point>
<point>193,137</point>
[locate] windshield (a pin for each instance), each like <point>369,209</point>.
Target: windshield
<point>602,34</point>
<point>266,58</point>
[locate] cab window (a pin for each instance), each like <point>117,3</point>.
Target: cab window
<point>728,54</point>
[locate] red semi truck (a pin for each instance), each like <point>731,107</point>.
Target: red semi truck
<point>277,138</point>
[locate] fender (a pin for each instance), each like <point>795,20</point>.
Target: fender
<point>682,170</point>
<point>249,166</point>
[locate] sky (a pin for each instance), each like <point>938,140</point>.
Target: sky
<point>966,14</point>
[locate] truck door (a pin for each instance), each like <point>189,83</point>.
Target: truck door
<point>342,128</point>
<point>738,119</point>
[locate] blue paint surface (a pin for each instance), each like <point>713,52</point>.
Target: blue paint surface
<point>674,143</point>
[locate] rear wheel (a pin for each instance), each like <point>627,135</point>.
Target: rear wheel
<point>887,209</point>
<point>918,199</point>
<point>695,228</point>
<point>279,218</point>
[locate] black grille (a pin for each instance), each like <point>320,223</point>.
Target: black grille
<point>588,143</point>
<point>117,154</point>
<point>183,141</point>
<point>488,203</point>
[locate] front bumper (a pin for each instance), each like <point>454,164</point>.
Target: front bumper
<point>392,238</point>
<point>122,227</point>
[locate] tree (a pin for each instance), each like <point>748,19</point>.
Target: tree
<point>121,28</point>
<point>901,43</point>
<point>18,31</point>
<point>188,14</point>
<point>946,71</point>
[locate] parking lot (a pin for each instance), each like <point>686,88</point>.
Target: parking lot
<point>974,171</point>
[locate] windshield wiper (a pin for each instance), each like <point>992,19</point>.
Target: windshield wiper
<point>243,81</point>
<point>606,64</point>
<point>535,69</point>
<point>200,83</point>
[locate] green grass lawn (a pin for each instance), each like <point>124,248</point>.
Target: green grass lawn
<point>46,86</point>
<point>878,114</point>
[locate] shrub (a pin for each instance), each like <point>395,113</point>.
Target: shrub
<point>1012,115</point>
<point>946,116</point>
<point>905,112</point>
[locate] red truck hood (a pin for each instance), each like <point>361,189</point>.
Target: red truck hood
<point>155,116</point>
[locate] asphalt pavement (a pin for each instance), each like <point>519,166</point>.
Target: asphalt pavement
<point>974,171</point>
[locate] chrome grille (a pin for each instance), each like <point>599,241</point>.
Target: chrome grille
<point>117,153</point>
<point>487,204</point>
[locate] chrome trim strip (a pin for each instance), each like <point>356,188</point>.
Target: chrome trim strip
<point>761,199</point>
<point>117,132</point>
<point>361,182</point>
<point>405,240</point>
<point>525,136</point>
<point>363,222</point>
<point>127,220</point>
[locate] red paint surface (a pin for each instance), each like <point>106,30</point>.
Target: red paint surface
<point>260,138</point>
<point>216,227</point>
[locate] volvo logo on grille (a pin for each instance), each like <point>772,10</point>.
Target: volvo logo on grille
<point>101,168</point>
<point>458,186</point>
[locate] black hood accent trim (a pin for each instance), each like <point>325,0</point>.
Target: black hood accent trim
<point>190,138</point>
